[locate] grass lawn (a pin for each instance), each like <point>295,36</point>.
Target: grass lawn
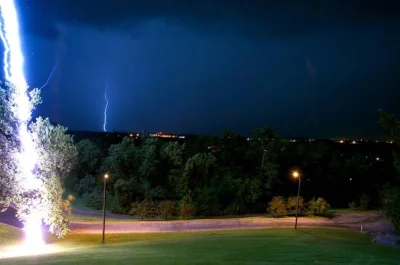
<point>348,210</point>
<point>88,218</point>
<point>269,246</point>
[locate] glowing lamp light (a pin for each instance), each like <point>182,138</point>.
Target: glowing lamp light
<point>295,174</point>
<point>106,176</point>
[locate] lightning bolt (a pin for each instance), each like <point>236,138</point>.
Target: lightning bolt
<point>14,74</point>
<point>51,73</point>
<point>105,109</point>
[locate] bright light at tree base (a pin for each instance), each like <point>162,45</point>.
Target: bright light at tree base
<point>33,232</point>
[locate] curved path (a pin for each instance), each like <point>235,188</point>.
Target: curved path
<point>371,222</point>
<point>197,225</point>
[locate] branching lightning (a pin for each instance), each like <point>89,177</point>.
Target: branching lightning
<point>51,73</point>
<point>14,74</point>
<point>105,109</point>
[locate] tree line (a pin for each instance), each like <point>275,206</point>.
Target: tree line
<point>226,174</point>
<point>205,176</point>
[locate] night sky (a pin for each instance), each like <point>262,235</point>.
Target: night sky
<point>320,69</point>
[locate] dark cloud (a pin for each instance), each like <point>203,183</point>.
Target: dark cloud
<point>253,18</point>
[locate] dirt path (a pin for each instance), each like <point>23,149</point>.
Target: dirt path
<point>197,225</point>
<point>373,223</point>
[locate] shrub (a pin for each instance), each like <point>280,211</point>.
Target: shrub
<point>291,204</point>
<point>86,185</point>
<point>94,199</point>
<point>391,203</point>
<point>277,207</point>
<point>145,209</point>
<point>67,204</point>
<point>115,205</point>
<point>166,209</point>
<point>353,205</point>
<point>186,210</point>
<point>364,202</point>
<point>233,209</point>
<point>319,206</point>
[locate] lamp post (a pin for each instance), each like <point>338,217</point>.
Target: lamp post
<point>297,175</point>
<point>104,206</point>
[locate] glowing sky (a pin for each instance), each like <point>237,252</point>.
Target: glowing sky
<point>203,66</point>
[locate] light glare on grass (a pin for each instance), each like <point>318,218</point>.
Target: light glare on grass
<point>22,251</point>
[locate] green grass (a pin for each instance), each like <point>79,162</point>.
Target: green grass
<point>348,210</point>
<point>89,219</point>
<point>269,246</point>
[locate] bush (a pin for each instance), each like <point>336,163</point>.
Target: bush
<point>186,210</point>
<point>85,185</point>
<point>67,204</point>
<point>319,206</point>
<point>115,205</point>
<point>391,203</point>
<point>353,205</point>
<point>277,207</point>
<point>291,204</point>
<point>166,209</point>
<point>233,209</point>
<point>94,199</point>
<point>145,209</point>
<point>364,202</point>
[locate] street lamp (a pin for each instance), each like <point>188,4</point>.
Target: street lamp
<point>104,206</point>
<point>296,174</point>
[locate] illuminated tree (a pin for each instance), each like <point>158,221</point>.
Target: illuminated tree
<point>56,156</point>
<point>9,146</point>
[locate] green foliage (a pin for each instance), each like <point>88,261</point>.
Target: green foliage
<point>85,185</point>
<point>166,209</point>
<point>173,152</point>
<point>291,204</point>
<point>319,206</point>
<point>146,209</point>
<point>234,208</point>
<point>89,156</point>
<point>277,206</point>
<point>115,206</point>
<point>364,201</point>
<point>207,202</point>
<point>353,205</point>
<point>94,199</point>
<point>391,203</point>
<point>186,210</point>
